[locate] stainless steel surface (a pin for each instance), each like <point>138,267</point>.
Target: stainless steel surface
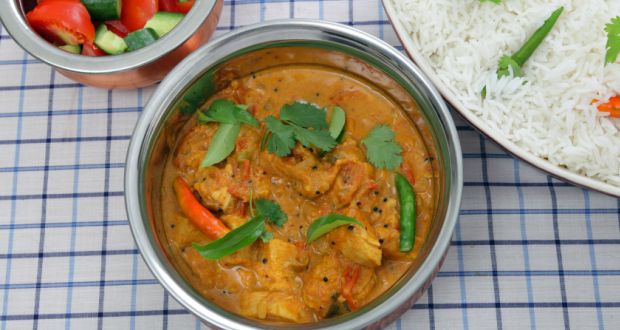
<point>133,69</point>
<point>202,73</point>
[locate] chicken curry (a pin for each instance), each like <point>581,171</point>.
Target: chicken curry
<point>296,194</point>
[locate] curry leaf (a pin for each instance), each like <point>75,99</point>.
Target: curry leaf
<point>381,149</point>
<point>336,125</point>
<point>225,111</point>
<point>248,233</point>
<point>271,211</point>
<point>222,144</point>
<point>235,240</point>
<point>327,223</point>
<point>305,115</point>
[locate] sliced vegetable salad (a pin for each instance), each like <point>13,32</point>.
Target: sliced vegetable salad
<point>105,27</point>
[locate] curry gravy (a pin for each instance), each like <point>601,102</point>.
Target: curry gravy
<point>287,279</point>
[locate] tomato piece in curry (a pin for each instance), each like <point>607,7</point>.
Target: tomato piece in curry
<point>287,279</point>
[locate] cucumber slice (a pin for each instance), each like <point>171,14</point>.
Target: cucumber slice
<point>109,42</point>
<point>162,22</point>
<point>103,10</point>
<point>73,49</point>
<point>140,38</point>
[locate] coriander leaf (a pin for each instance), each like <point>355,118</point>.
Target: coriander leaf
<point>222,144</point>
<point>225,111</point>
<point>336,124</point>
<point>305,115</point>
<point>235,240</point>
<point>281,138</point>
<point>266,236</point>
<point>503,67</point>
<point>319,139</point>
<point>613,40</point>
<point>381,150</point>
<point>493,1</point>
<point>271,211</point>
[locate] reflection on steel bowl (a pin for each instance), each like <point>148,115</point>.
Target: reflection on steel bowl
<point>246,232</point>
<point>139,68</point>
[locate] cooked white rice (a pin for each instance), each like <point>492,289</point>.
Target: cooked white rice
<point>549,110</point>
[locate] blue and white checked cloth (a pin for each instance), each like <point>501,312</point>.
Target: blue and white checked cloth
<point>529,251</point>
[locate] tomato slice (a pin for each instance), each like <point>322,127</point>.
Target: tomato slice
<point>65,22</point>
<point>168,5</point>
<point>135,13</point>
<point>612,106</point>
<point>89,49</point>
<point>185,7</point>
<point>117,27</point>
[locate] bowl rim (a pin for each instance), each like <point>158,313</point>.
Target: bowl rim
<point>166,93</point>
<point>481,126</point>
<point>20,31</point>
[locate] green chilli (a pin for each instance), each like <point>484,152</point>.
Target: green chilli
<point>406,199</point>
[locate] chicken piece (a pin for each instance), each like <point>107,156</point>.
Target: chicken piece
<point>192,147</point>
<point>278,263</point>
<point>309,177</point>
<point>365,283</point>
<point>352,176</point>
<point>247,178</point>
<point>284,255</point>
<point>322,284</point>
<point>278,306</point>
<point>243,257</point>
<point>386,226</point>
<point>212,186</point>
<point>358,245</point>
<point>358,284</point>
<point>233,220</point>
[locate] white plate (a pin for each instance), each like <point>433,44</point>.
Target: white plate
<point>480,125</point>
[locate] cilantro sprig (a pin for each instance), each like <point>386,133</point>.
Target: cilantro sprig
<point>301,122</point>
<point>497,2</point>
<point>246,234</point>
<point>230,116</point>
<point>271,211</point>
<point>381,149</point>
<point>613,40</point>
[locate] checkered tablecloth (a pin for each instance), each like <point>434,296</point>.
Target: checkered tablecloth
<point>529,251</point>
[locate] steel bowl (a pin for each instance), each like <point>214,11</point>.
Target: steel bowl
<point>135,69</point>
<point>239,53</point>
